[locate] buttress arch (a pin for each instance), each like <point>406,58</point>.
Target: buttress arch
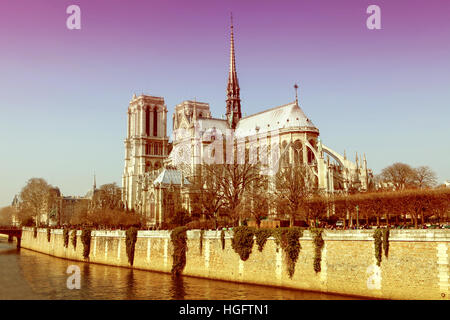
<point>336,156</point>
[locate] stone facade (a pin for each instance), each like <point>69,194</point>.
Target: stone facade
<point>146,145</point>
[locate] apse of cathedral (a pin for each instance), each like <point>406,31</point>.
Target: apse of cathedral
<point>159,172</point>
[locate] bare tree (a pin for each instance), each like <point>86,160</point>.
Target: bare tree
<point>256,204</point>
<point>210,196</point>
<point>6,216</point>
<point>440,203</point>
<point>108,196</point>
<point>237,178</point>
<point>401,175</point>
<point>293,186</point>
<point>79,216</point>
<point>414,204</point>
<point>175,212</point>
<point>316,208</point>
<point>36,198</point>
<point>231,182</point>
<point>424,177</point>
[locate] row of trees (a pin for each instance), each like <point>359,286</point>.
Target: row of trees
<point>222,189</point>
<point>403,176</point>
<point>107,219</point>
<point>40,204</point>
<point>394,207</point>
<point>239,191</point>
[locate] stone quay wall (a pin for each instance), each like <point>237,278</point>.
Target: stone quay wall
<point>417,266</point>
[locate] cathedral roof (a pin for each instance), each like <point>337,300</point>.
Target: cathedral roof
<point>170,176</point>
<point>220,124</point>
<point>286,116</point>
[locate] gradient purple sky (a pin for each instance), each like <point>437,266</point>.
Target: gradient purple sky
<point>64,93</point>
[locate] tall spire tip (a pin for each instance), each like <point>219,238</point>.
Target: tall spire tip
<point>296,94</point>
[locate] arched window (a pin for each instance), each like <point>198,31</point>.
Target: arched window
<point>155,122</point>
<point>263,154</point>
<point>284,154</point>
<point>311,158</point>
<point>147,121</point>
<point>135,123</point>
<point>298,153</point>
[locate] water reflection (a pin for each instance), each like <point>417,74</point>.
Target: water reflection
<point>31,275</point>
<point>178,291</point>
<point>131,284</point>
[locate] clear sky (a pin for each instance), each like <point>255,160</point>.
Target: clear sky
<point>64,93</point>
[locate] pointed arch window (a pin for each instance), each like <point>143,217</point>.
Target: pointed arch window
<point>311,157</point>
<point>135,123</point>
<point>155,122</point>
<point>147,121</point>
<point>298,152</point>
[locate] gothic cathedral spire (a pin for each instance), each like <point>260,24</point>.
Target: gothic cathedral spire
<point>233,97</point>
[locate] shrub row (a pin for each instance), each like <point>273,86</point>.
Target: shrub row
<point>392,206</point>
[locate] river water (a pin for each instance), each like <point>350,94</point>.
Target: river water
<point>27,275</point>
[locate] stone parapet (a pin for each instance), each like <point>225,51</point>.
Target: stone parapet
<point>416,266</point>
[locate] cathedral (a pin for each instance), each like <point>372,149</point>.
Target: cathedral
<point>159,172</point>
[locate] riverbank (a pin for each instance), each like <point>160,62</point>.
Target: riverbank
<point>416,267</point>
<point>31,275</point>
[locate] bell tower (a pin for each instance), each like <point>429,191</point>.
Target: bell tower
<point>146,144</point>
